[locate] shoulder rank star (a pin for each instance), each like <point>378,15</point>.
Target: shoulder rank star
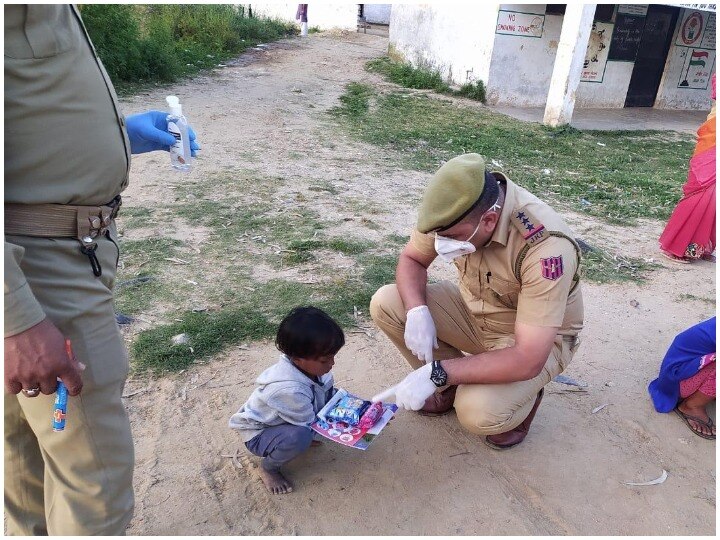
<point>530,228</point>
<point>552,267</point>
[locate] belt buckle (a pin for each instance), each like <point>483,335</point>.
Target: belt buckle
<point>97,225</point>
<point>100,223</point>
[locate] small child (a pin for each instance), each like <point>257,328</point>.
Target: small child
<point>274,422</point>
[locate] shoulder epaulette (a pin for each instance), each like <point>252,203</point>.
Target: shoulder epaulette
<point>531,228</point>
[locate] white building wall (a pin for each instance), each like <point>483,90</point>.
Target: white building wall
<point>324,16</point>
<point>460,41</point>
<point>455,39</point>
<point>522,66</point>
<point>669,95</point>
<point>611,92</point>
<point>377,13</point>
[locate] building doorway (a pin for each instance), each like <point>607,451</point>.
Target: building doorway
<point>374,19</point>
<point>652,54</point>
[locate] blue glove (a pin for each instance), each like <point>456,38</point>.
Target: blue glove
<point>148,132</point>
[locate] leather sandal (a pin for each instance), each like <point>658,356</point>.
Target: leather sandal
<point>709,424</point>
<point>502,441</point>
<point>439,403</point>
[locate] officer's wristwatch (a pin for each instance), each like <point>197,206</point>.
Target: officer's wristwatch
<point>438,375</point>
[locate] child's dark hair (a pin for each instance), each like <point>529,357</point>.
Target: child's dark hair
<point>309,332</point>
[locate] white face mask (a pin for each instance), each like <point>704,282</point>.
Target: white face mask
<point>449,249</point>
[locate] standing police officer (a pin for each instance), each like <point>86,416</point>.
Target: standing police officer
<point>67,157</point>
<point>517,312</point>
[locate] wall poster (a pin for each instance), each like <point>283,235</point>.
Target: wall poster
<point>697,68</point>
<point>633,9</point>
<point>515,23</point>
<point>597,52</point>
<point>692,26</point>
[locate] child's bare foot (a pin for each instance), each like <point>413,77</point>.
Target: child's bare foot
<point>316,443</point>
<point>275,482</point>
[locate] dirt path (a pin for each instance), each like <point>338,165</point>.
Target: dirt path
<point>423,475</point>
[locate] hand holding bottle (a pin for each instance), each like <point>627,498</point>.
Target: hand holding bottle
<point>148,132</point>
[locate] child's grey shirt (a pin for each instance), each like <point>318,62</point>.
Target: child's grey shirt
<point>284,395</point>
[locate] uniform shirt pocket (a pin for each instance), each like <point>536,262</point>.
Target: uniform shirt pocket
<point>501,292</point>
<point>461,265</point>
<point>39,30</point>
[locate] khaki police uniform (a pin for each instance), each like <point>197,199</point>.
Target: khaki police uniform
<point>65,144</point>
<point>527,273</point>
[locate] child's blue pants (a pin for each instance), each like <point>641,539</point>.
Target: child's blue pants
<point>280,444</point>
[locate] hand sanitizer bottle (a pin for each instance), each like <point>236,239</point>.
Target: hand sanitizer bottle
<point>180,155</point>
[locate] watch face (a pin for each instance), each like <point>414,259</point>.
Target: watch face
<point>438,375</point>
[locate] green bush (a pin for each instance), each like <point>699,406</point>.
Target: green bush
<point>423,78</point>
<point>474,91</point>
<point>408,76</point>
<point>141,44</point>
<point>116,36</point>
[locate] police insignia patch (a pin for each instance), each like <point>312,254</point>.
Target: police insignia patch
<point>552,267</point>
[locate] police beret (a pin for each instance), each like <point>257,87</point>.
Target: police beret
<point>452,192</point>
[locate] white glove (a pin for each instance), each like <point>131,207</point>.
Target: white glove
<point>420,334</point>
<point>412,391</point>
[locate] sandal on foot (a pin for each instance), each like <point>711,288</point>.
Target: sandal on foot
<point>709,424</point>
<point>675,258</point>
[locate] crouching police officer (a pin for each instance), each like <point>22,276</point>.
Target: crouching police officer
<point>517,311</point>
<point>67,157</point>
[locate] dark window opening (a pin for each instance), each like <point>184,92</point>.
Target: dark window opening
<point>604,12</point>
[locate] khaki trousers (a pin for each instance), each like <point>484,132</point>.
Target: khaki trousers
<point>78,481</point>
<point>484,409</point>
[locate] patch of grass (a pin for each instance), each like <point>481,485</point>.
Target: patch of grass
<point>136,299</point>
<point>618,176</point>
<point>600,267</point>
<point>256,316</point>
<point>324,186</point>
<point>370,224</point>
<point>135,216</point>
<point>209,334</point>
<point>423,78</point>
<point>300,251</point>
<point>233,183</point>
<point>225,217</point>
<point>149,253</point>
<point>407,75</point>
<point>348,247</point>
<point>143,259</point>
<point>693,298</point>
<point>355,101</point>
<point>397,239</point>
<point>363,206</point>
<point>249,224</point>
<point>246,212</point>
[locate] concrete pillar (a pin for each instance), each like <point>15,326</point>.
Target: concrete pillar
<point>574,37</point>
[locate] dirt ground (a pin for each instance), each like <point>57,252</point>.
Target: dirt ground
<point>422,475</point>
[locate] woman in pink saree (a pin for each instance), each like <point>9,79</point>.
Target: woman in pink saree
<point>690,232</point>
